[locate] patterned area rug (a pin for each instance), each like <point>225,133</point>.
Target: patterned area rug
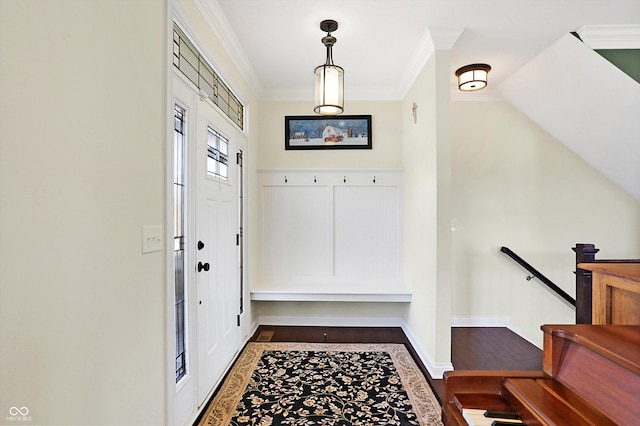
<point>324,384</point>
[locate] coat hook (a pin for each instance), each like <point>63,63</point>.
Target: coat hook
<point>314,179</point>
<point>374,179</point>
<point>344,179</point>
<point>285,179</point>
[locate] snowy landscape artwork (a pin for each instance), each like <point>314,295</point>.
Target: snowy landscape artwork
<point>321,132</point>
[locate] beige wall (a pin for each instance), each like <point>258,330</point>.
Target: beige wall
<point>83,118</point>
<point>516,186</point>
<point>427,147</point>
<point>386,130</point>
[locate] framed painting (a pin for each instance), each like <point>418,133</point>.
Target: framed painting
<point>324,132</point>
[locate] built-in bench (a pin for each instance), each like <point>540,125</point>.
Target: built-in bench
<point>331,293</point>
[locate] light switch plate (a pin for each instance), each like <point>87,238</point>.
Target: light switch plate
<point>152,238</point>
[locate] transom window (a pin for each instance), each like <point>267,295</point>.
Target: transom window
<point>191,63</point>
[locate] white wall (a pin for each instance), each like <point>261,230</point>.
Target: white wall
<point>83,118</point>
<point>517,186</point>
<point>599,106</point>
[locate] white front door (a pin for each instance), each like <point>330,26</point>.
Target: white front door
<point>216,254</point>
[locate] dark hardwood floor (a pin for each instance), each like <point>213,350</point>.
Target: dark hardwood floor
<point>472,348</point>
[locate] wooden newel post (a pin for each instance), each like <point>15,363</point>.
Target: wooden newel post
<point>585,253</point>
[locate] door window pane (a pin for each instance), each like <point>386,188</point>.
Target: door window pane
<point>217,155</point>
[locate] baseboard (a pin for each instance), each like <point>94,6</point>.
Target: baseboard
<point>321,321</point>
<point>436,370</point>
<point>254,327</point>
<point>489,322</point>
<point>480,322</point>
<point>515,330</point>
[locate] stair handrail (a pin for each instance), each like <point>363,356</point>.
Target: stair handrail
<point>546,281</point>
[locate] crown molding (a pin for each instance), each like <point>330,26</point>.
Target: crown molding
<point>603,37</point>
<point>216,20</point>
<point>445,38</point>
<point>418,60</point>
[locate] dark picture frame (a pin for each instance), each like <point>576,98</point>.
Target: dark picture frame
<point>327,132</point>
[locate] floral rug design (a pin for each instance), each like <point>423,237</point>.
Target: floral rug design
<point>324,384</point>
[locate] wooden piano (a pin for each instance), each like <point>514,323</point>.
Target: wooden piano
<point>591,376</point>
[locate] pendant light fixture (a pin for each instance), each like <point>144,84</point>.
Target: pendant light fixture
<point>329,99</point>
<point>472,77</point>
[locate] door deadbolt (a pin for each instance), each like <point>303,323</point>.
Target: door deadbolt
<point>202,266</point>
<point>200,245</point>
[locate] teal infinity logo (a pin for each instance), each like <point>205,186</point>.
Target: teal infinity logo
<point>14,411</point>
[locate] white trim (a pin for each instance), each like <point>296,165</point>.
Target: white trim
<point>345,294</point>
<point>516,331</point>
<point>610,36</point>
<point>490,322</point>
<point>387,292</point>
<point>321,321</point>
<point>480,322</point>
<point>216,20</point>
<point>445,38</point>
<point>421,56</point>
<point>436,370</point>
<point>169,314</point>
<point>254,327</point>
<point>320,170</point>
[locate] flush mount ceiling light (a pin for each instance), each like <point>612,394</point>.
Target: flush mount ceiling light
<point>472,77</point>
<point>329,98</point>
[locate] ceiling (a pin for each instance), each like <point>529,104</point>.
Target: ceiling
<point>382,44</point>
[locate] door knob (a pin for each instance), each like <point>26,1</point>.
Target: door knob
<point>200,245</point>
<point>202,266</point>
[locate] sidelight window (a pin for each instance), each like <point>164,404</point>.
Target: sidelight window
<point>178,238</point>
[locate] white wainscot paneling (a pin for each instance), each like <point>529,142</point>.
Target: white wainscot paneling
<point>296,231</point>
<point>331,235</point>
<point>367,233</point>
